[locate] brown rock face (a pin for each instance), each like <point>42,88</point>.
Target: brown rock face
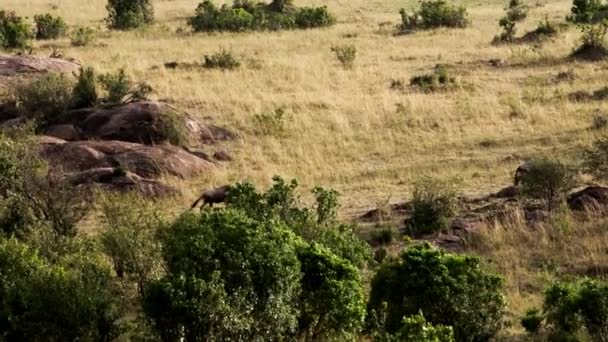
<point>145,161</point>
<point>593,197</point>
<point>14,65</point>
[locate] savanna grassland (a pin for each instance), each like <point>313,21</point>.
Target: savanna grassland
<point>348,129</point>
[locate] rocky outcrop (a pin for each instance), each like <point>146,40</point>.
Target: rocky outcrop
<point>590,198</point>
<point>15,65</point>
<point>142,160</point>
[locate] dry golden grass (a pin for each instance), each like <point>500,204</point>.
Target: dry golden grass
<point>348,130</point>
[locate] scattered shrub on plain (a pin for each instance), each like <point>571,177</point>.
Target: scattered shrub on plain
<point>223,59</point>
<point>346,54</point>
<point>544,30</point>
<point>434,202</point>
<point>270,123</point>
<point>121,89</point>
<point>247,16</point>
<point>439,79</point>
<point>129,14</point>
<point>433,14</point>
<point>49,27</point>
<point>450,289</point>
<point>593,42</point>
<point>83,36</point>
<point>15,32</point>
<point>547,180</point>
<point>516,12</point>
<point>44,99</point>
<point>84,93</point>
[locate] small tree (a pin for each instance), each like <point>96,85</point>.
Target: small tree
<point>433,203</point>
<point>450,289</point>
<point>547,180</point>
<point>15,32</point>
<point>49,27</point>
<point>129,14</point>
<point>516,12</point>
<point>84,93</point>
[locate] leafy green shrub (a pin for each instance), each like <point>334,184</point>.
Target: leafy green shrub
<point>346,54</point>
<point>44,98</point>
<point>223,59</point>
<point>121,89</point>
<point>516,12</point>
<point>83,36</point>
<point>593,42</point>
<point>129,14</point>
<point>380,254</point>
<point>532,321</point>
<point>434,202</point>
<point>547,180</point>
<point>15,32</point>
<point>68,300</point>
<point>310,17</point>
<point>433,14</point>
<point>271,123</point>
<point>416,328</point>
<point>246,16</point>
<point>130,223</point>
<point>84,93</point>
<point>229,277</point>
<point>49,27</point>
<point>439,79</point>
<point>571,306</point>
<point>584,11</point>
<point>450,289</point>
<point>382,237</point>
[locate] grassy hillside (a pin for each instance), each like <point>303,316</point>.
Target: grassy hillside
<point>347,129</point>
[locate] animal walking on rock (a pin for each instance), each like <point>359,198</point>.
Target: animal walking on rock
<point>217,195</point>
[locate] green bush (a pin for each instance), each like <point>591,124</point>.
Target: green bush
<point>49,27</point>
<point>121,89</point>
<point>271,123</point>
<point>532,321</point>
<point>84,93</point>
<point>128,237</point>
<point>223,59</point>
<point>450,289</point>
<point>593,42</point>
<point>129,14</point>
<point>584,11</point>
<point>438,80</point>
<point>434,202</point>
<point>246,16</point>
<point>547,180</point>
<point>45,98</point>
<point>15,32</point>
<point>433,14</point>
<point>516,12</point>
<point>383,236</point>
<point>346,54</point>
<point>83,36</point>
<point>68,300</point>
<point>416,328</point>
<point>571,306</point>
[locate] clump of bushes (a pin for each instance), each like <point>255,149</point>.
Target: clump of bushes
<point>574,310</point>
<point>247,16</point>
<point>434,202</point>
<point>45,98</point>
<point>382,236</point>
<point>593,42</point>
<point>433,14</point>
<point>516,12</point>
<point>129,14</point>
<point>121,89</point>
<point>450,289</point>
<point>83,36</point>
<point>587,11</point>
<point>439,79</point>
<point>346,54</point>
<point>15,32</point>
<point>544,30</point>
<point>595,159</point>
<point>223,59</point>
<point>271,122</point>
<point>547,180</point>
<point>49,27</point>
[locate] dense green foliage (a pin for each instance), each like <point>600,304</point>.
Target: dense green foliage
<point>45,98</point>
<point>547,180</point>
<point>449,289</point>
<point>15,32</point>
<point>433,14</point>
<point>433,203</point>
<point>66,300</point>
<point>244,15</point>
<point>121,89</point>
<point>84,93</point>
<point>83,36</point>
<point>49,27</point>
<point>585,11</point>
<point>129,14</point>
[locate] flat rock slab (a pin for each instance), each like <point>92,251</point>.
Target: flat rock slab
<point>144,161</point>
<point>15,65</point>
